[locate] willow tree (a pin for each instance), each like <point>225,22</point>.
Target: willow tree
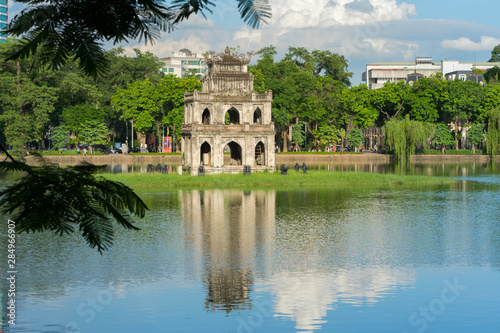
<point>493,135</point>
<point>404,136</point>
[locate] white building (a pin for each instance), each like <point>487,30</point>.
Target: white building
<point>184,62</point>
<point>3,19</point>
<point>377,74</point>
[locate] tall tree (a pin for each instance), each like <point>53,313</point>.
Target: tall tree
<point>443,137</point>
<point>60,136</point>
<point>324,63</point>
<point>475,135</point>
<point>137,104</point>
<point>492,76</point>
<point>357,107</point>
<point>462,105</point>
<point>493,134</point>
<point>355,137</point>
<point>426,96</point>
<point>495,54</point>
<point>404,136</point>
<point>391,100</point>
<point>93,133</point>
<point>170,95</point>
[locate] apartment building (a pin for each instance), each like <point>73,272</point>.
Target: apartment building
<point>377,74</point>
<point>184,62</point>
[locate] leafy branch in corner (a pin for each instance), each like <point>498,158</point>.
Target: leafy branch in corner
<point>64,200</point>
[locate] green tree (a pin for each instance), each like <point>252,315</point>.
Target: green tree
<point>75,116</point>
<point>26,109</point>
<point>495,54</point>
<point>298,135</point>
<point>324,63</point>
<point>475,135</point>
<point>462,105</point>
<point>342,135</point>
<point>355,137</point>
<point>93,133</point>
<point>404,136</point>
<point>425,99</point>
<point>60,136</point>
<point>138,104</point>
<point>357,107</point>
<point>492,75</point>
<point>443,137</point>
<point>490,101</point>
<point>327,134</point>
<point>391,100</point>
<point>493,134</point>
<point>170,95</point>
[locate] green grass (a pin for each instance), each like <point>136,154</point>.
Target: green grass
<point>312,178</point>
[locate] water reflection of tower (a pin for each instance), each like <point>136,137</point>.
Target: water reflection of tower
<point>224,232</point>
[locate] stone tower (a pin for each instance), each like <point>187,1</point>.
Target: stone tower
<point>227,116</point>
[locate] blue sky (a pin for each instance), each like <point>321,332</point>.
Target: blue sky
<point>364,31</point>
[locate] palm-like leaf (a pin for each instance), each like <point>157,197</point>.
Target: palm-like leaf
<point>49,197</point>
<point>254,11</point>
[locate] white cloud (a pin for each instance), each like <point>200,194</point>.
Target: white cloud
<point>248,36</point>
<point>314,13</point>
<point>465,44</point>
<point>394,48</point>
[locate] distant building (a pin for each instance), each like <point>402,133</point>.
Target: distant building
<point>377,74</point>
<point>184,62</point>
<point>4,19</point>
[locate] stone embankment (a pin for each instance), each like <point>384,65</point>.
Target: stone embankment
<point>280,159</point>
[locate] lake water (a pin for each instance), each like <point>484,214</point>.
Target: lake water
<point>344,259</point>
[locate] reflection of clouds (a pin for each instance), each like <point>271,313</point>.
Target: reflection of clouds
<point>306,297</point>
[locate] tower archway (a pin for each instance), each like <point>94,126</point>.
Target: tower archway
<point>205,152</point>
<point>257,116</point>
<point>260,154</point>
<point>205,117</point>
<point>236,153</point>
<point>232,117</point>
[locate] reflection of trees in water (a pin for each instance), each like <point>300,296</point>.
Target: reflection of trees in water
<point>225,230</point>
<point>448,168</point>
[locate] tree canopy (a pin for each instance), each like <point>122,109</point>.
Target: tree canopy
<point>495,54</point>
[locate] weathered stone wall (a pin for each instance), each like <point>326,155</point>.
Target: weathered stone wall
<point>280,159</point>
